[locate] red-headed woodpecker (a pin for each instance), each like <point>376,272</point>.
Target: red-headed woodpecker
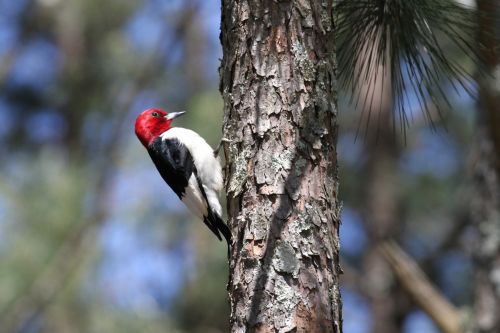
<point>187,164</point>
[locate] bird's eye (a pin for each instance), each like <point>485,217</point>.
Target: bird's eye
<point>155,114</point>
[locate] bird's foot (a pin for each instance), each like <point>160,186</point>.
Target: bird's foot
<point>217,150</point>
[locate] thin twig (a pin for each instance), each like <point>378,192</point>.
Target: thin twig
<point>444,314</point>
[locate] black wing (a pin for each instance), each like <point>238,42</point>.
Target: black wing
<point>174,162</point>
<point>176,166</point>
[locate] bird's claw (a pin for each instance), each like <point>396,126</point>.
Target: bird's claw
<point>217,150</point>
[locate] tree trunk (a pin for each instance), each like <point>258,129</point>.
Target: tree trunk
<point>486,198</point>
<point>486,215</point>
<point>382,217</point>
<point>380,199</point>
<point>279,88</point>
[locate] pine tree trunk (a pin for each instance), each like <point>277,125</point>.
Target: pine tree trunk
<point>382,216</point>
<point>380,198</point>
<point>486,198</point>
<point>486,215</point>
<point>279,89</point>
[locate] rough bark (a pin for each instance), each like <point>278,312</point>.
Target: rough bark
<point>486,198</point>
<point>279,89</point>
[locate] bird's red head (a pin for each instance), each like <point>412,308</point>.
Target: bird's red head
<point>153,122</point>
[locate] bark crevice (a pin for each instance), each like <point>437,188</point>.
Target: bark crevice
<point>279,90</point>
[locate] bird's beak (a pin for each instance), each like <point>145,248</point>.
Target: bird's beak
<point>173,115</point>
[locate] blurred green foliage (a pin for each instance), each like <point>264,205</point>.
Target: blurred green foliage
<point>79,197</point>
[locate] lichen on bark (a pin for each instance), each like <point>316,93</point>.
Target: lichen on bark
<point>278,81</point>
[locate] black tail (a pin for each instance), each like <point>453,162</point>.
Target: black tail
<point>223,228</point>
<point>215,223</point>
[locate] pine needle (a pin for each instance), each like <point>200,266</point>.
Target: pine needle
<point>407,38</point>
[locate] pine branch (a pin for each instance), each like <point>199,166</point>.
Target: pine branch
<point>407,38</point>
<point>444,314</point>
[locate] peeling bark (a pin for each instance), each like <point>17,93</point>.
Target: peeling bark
<point>279,88</point>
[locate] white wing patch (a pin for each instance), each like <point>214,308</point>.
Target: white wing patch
<point>213,200</point>
<point>208,168</point>
<point>194,200</point>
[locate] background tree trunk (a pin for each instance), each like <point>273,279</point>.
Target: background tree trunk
<point>486,198</point>
<point>381,197</point>
<point>279,89</point>
<point>383,221</point>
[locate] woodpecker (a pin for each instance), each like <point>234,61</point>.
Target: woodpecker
<point>187,163</point>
